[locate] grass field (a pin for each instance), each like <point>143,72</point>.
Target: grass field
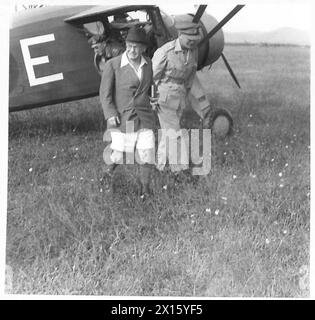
<point>242,231</point>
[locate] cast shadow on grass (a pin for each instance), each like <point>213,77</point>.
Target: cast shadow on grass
<point>74,117</point>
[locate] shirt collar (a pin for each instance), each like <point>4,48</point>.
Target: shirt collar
<point>178,47</point>
<point>125,61</point>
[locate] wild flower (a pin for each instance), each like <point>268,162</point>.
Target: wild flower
<point>216,212</point>
<point>30,169</point>
<point>208,210</point>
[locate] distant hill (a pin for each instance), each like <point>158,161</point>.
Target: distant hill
<point>279,36</point>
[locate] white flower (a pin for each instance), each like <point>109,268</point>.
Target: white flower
<point>250,115</point>
<point>267,241</point>
<point>286,147</point>
<point>208,210</point>
<point>30,169</point>
<point>101,190</point>
<point>76,149</point>
<point>272,160</point>
<point>224,198</point>
<point>165,187</point>
<point>234,176</point>
<point>216,212</point>
<point>253,175</point>
<point>224,153</point>
<point>54,157</point>
<point>286,164</point>
<point>280,174</point>
<point>281,185</point>
<point>285,231</point>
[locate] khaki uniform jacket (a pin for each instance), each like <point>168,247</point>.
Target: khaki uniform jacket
<point>123,94</point>
<point>173,73</point>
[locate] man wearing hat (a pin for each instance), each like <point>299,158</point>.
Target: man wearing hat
<point>174,69</point>
<point>124,94</point>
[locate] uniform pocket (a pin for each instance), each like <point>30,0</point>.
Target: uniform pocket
<point>162,96</point>
<point>173,101</point>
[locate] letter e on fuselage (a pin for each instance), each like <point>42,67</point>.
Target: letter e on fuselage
<point>31,62</point>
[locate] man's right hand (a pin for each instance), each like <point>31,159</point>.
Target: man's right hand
<point>154,103</point>
<point>113,122</point>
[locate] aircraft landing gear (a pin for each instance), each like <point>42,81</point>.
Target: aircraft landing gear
<point>220,122</point>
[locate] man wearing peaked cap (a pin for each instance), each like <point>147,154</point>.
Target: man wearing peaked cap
<point>185,26</point>
<point>124,95</point>
<point>174,69</point>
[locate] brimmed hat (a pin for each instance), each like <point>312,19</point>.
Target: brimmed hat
<point>184,24</point>
<point>136,34</point>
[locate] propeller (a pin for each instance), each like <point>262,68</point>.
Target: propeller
<point>227,18</point>
<point>230,70</point>
<point>200,11</point>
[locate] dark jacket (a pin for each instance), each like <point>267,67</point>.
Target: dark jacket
<point>121,93</point>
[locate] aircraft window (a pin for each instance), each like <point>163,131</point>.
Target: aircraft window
<point>140,16</point>
<point>96,27</point>
<point>168,20</point>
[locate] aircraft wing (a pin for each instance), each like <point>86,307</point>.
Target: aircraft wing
<point>90,14</point>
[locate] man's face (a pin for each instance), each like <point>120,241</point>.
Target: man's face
<point>134,50</point>
<point>187,43</point>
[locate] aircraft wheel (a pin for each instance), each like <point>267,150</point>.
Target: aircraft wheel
<point>220,123</point>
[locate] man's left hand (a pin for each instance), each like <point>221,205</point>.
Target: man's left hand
<point>154,103</point>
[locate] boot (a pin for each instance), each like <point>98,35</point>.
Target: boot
<point>108,175</point>
<point>145,179</point>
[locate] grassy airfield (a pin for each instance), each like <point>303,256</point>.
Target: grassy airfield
<point>241,231</point>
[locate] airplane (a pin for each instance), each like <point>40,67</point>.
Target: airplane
<point>51,60</point>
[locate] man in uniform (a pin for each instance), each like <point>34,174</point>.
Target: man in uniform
<point>174,69</point>
<point>106,46</point>
<point>124,95</point>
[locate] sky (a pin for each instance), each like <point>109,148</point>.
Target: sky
<point>257,15</point>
